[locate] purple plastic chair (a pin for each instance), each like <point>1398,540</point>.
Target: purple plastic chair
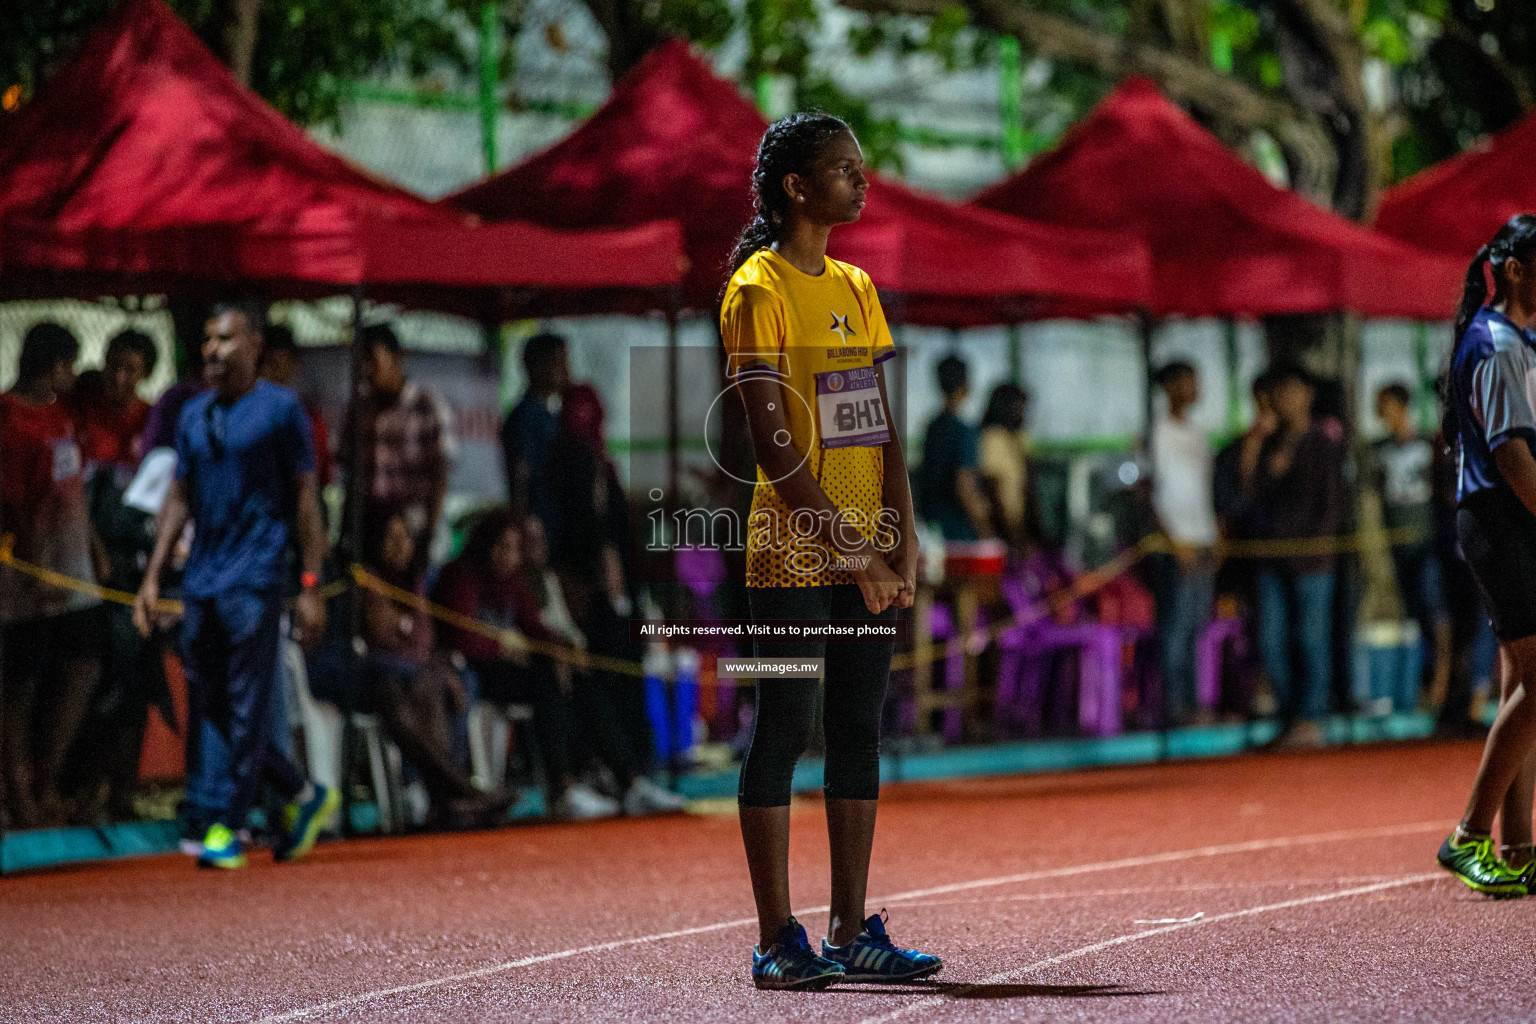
<point>1212,646</point>
<point>702,571</point>
<point>1026,650</point>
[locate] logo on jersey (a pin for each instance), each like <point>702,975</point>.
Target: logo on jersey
<point>840,325</point>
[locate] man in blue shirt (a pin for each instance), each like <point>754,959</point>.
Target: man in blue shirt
<point>529,430</point>
<point>947,485</point>
<point>245,480</point>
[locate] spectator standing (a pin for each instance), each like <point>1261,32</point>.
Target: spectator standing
<point>399,445</point>
<point>111,418</point>
<point>590,559</point>
<point>1236,466</point>
<point>281,359</point>
<point>529,430</point>
<point>1182,480</point>
<point>1002,464</point>
<point>245,480</point>
<point>951,496</point>
<point>1402,469</point>
<point>52,634</point>
<point>1235,522</point>
<point>165,414</point>
<point>1297,495</point>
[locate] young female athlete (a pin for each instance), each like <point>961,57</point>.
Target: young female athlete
<point>1491,413</point>
<point>830,537</point>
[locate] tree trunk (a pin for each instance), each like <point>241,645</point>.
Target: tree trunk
<point>630,37</point>
<point>239,22</point>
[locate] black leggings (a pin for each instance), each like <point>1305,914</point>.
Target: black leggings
<point>856,673</point>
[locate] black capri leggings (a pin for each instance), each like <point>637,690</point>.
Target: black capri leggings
<point>856,673</point>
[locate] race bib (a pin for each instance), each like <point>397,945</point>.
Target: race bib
<point>849,409</point>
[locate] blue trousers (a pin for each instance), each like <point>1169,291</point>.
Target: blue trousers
<point>209,786</point>
<point>1184,599</point>
<point>230,649</point>
<point>1296,613</point>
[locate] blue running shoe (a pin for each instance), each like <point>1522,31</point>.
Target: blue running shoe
<point>221,849</point>
<point>874,957</point>
<point>791,963</point>
<point>306,821</point>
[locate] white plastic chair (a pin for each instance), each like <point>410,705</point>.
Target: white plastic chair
<point>490,730</point>
<point>323,729</point>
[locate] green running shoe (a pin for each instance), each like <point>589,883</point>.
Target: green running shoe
<point>221,849</point>
<point>306,821</point>
<point>1475,862</point>
<point>1526,872</point>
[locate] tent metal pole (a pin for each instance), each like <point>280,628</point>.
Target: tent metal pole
<point>1424,393</point>
<point>349,551</point>
<point>674,413</point>
<point>1234,375</point>
<point>1145,327</point>
<point>1016,355</point>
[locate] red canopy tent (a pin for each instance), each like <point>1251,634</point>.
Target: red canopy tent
<point>1224,241</point>
<point>676,140</point>
<point>145,167</point>
<point>1455,206</point>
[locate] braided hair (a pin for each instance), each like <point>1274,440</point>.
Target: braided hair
<point>790,146</point>
<point>1515,240</point>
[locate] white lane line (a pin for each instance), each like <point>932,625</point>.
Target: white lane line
<point>1251,846</point>
<point>485,972</point>
<point>1144,890</point>
<point>1120,940</point>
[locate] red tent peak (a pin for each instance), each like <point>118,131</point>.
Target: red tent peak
<point>1224,239</point>
<point>675,139</point>
<point>1457,205</point>
<point>1137,85</point>
<point>146,128</point>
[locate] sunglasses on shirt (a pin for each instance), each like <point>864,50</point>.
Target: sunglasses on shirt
<point>215,425</point>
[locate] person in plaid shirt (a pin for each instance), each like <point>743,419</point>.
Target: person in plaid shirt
<point>401,444</point>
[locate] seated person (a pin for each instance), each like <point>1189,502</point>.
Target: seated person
<point>608,708</point>
<point>406,685</point>
<point>488,582</point>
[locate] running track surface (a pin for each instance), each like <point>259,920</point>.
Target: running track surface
<point>1071,897</point>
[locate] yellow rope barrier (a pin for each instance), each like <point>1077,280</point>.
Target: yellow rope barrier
<point>1085,585</point>
<point>501,634</point>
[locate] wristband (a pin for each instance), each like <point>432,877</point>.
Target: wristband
<point>309,580</point>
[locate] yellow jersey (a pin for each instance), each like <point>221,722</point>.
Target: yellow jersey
<point>821,336</point>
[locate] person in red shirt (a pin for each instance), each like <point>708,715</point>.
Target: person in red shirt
<point>488,582</point>
<point>51,634</point>
<point>111,413</point>
<point>111,418</point>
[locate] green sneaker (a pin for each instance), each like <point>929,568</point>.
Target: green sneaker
<point>1525,871</point>
<point>1475,862</point>
<point>306,821</point>
<point>221,849</point>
